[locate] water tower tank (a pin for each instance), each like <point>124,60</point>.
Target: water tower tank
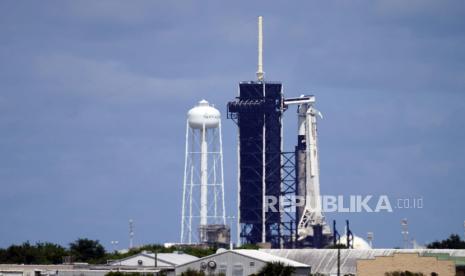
<point>202,114</point>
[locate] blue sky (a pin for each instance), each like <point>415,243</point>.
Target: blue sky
<point>93,97</point>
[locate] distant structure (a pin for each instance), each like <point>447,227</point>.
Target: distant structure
<point>404,226</point>
<point>416,245</point>
<point>203,217</point>
<point>115,245</point>
<point>131,234</point>
<point>370,237</point>
<point>266,171</point>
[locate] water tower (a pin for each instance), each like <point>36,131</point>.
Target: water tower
<point>203,217</point>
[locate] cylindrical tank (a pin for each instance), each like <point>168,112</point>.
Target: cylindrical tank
<point>203,114</point>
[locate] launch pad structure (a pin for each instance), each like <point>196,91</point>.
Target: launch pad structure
<point>266,170</point>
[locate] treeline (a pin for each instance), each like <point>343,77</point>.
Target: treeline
<point>91,251</point>
<point>453,242</point>
<point>26,253</point>
<point>83,250</point>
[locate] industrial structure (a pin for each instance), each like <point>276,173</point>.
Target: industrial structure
<point>405,233</point>
<point>267,171</point>
<point>203,217</point>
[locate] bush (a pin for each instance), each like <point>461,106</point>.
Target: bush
<point>276,269</point>
<point>403,273</point>
<point>192,272</point>
<point>85,250</point>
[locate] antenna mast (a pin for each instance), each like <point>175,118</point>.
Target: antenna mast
<point>260,73</point>
<point>404,226</point>
<point>131,233</point>
<point>370,237</point>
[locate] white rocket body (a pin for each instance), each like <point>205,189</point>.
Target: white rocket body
<point>308,170</point>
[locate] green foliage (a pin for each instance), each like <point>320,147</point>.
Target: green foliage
<point>198,252</point>
<point>191,250</point>
<point>192,272</point>
<point>249,246</point>
<point>119,273</point>
<point>276,269</point>
<point>403,273</point>
<point>453,242</point>
<point>21,254</point>
<point>40,253</point>
<point>50,253</point>
<point>85,250</point>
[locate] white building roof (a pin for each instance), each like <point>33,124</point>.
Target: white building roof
<point>174,258</point>
<point>325,260</point>
<point>266,257</point>
<point>148,259</point>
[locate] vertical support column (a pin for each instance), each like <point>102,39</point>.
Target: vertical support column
<point>190,203</point>
<point>184,187</point>
<point>264,188</point>
<point>263,171</point>
<point>203,182</point>
<point>238,221</point>
<point>223,214</point>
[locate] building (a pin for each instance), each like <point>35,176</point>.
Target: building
<point>160,260</point>
<point>239,262</point>
<point>143,263</point>
<point>324,261</point>
<point>81,269</point>
<point>401,262</point>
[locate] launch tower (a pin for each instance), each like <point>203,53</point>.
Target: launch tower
<point>266,171</point>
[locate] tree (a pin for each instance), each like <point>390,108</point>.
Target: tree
<point>403,273</point>
<point>276,269</point>
<point>191,250</point>
<point>192,272</point>
<point>2,256</point>
<point>119,273</point>
<point>49,253</point>
<point>85,250</point>
<point>41,253</point>
<point>248,246</point>
<point>21,254</point>
<point>453,242</point>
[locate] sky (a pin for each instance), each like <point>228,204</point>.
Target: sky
<point>94,96</point>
